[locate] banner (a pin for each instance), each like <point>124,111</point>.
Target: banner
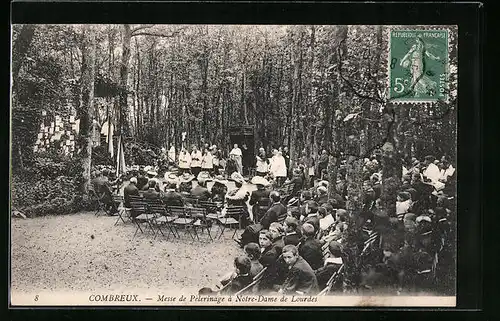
<point>120,158</point>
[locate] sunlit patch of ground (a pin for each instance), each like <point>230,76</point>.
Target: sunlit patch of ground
<point>59,253</point>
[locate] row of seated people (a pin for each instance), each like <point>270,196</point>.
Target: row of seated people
<point>288,259</point>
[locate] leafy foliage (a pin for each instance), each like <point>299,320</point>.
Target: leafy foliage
<point>48,187</point>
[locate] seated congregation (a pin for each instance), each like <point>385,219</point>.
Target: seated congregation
<point>297,239</point>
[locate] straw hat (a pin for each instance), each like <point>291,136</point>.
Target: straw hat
<point>152,173</point>
<point>171,178</point>
<point>324,183</point>
<point>258,180</point>
<point>203,176</point>
<point>237,177</point>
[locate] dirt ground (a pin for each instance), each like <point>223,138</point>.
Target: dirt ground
<point>59,253</point>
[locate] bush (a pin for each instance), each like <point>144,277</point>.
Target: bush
<point>48,187</point>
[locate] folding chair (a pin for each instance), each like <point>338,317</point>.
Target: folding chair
<point>193,201</point>
<point>160,217</point>
<point>231,218</point>
<point>139,207</point>
<point>183,219</point>
<point>199,215</point>
<point>97,201</point>
<point>123,213</point>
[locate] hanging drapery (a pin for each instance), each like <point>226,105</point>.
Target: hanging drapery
<point>120,158</point>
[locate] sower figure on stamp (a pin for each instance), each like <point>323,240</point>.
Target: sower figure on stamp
<point>414,60</point>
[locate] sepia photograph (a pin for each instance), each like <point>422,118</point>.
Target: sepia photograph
<point>233,165</point>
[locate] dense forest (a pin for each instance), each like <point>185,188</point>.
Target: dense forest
<point>305,87</point>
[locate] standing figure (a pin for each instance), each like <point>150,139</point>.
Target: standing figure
<point>195,161</point>
<point>278,167</point>
<point>207,161</point>
<point>286,155</point>
<point>237,154</point>
<point>184,161</point>
<point>171,156</point>
<point>262,163</point>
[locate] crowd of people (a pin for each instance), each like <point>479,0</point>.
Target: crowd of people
<point>302,239</point>
<point>317,244</point>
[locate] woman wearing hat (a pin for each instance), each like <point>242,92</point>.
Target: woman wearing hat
<point>185,183</point>
<point>219,189</point>
<point>239,197</point>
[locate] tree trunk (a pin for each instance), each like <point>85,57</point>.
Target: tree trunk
<point>20,49</point>
<point>85,111</point>
<point>391,167</point>
<point>123,126</point>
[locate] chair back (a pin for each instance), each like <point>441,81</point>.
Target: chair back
<point>211,207</point>
<point>235,211</point>
<point>138,205</point>
<point>155,206</point>
<point>178,211</point>
<point>197,213</point>
<point>191,200</point>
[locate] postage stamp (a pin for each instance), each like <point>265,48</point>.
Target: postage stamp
<point>418,65</point>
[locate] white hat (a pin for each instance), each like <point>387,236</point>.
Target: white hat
<point>324,183</point>
<point>152,173</point>
<point>148,168</point>
<point>423,218</point>
<point>203,176</point>
<point>237,177</point>
<point>258,180</point>
<point>171,178</point>
<point>322,189</point>
<point>220,179</point>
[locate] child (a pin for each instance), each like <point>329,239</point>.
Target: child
<point>252,250</point>
<point>242,267</point>
<point>332,264</point>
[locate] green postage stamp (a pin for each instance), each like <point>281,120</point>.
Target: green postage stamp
<point>418,65</point>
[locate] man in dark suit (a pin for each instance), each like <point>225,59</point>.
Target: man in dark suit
<point>200,191</point>
<point>129,190</point>
<point>312,215</point>
<point>301,278</point>
<point>151,192</point>
<point>305,196</point>
<point>252,231</point>
<point>292,236</point>
<point>331,266</point>
<point>103,190</point>
<point>142,180</point>
<point>171,197</point>
<point>259,199</point>
<point>276,210</point>
<point>310,247</point>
